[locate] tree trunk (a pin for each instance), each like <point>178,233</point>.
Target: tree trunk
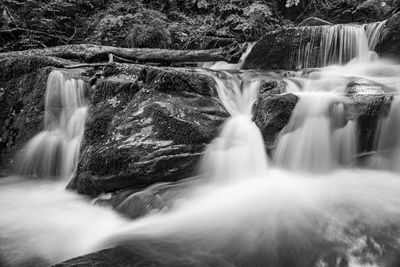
<point>97,53</point>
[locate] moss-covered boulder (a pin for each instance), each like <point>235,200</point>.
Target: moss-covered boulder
<point>146,125</point>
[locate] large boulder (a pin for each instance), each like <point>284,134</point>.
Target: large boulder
<point>146,125</point>
<point>275,50</point>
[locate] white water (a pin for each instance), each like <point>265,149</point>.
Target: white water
<point>239,149</point>
<point>388,138</point>
<point>40,220</point>
<point>54,151</point>
<point>44,221</point>
<point>249,208</point>
<point>256,214</point>
<point>338,44</point>
<point>317,132</point>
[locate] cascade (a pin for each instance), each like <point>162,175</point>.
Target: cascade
<point>239,149</point>
<point>54,151</point>
<point>317,132</point>
<point>387,141</point>
<point>252,213</point>
<point>373,31</point>
<point>337,44</point>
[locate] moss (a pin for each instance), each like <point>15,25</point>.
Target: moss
<point>21,111</point>
<point>173,81</point>
<point>178,130</point>
<point>17,66</point>
<point>97,123</point>
<point>108,88</point>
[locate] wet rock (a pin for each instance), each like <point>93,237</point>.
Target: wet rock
<point>163,254</point>
<point>146,125</point>
<point>279,49</point>
<point>372,10</point>
<point>272,113</point>
<point>272,87</point>
<point>157,198</point>
<point>314,21</point>
<point>388,45</point>
<point>22,90</point>
<point>368,109</point>
<point>363,86</point>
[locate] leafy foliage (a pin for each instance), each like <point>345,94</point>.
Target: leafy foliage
<point>133,23</point>
<point>290,3</point>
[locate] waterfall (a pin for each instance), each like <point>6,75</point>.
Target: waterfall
<point>337,44</point>
<point>54,151</point>
<point>387,141</point>
<point>373,31</point>
<point>238,152</point>
<point>317,137</point>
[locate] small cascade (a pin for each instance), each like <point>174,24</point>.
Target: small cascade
<point>318,137</point>
<point>337,44</point>
<point>238,152</point>
<point>54,151</point>
<point>222,65</point>
<point>373,31</point>
<point>387,142</point>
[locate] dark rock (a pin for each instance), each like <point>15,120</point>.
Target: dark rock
<point>313,21</point>
<point>163,254</point>
<point>157,198</point>
<point>21,112</point>
<point>372,10</point>
<point>388,45</point>
<point>146,127</point>
<point>279,49</point>
<point>272,113</point>
<point>368,109</point>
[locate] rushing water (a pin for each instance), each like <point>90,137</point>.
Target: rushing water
<point>41,222</point>
<point>54,151</point>
<point>307,205</point>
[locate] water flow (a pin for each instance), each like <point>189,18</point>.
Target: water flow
<point>337,44</point>
<point>238,151</point>
<point>387,140</point>
<point>318,136</point>
<point>373,31</point>
<point>54,151</point>
<point>42,223</point>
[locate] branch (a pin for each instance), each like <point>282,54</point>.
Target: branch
<point>16,30</point>
<point>88,53</point>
